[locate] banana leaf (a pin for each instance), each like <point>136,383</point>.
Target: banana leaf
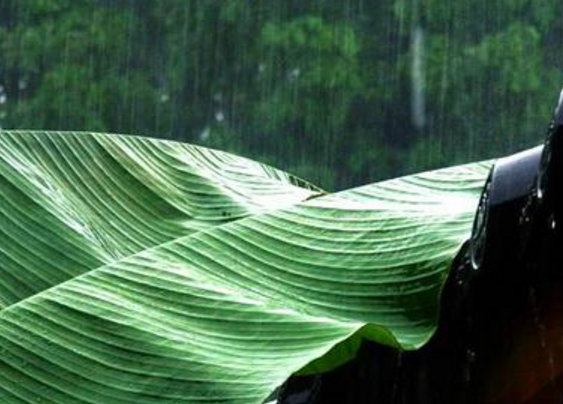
<point>144,271</point>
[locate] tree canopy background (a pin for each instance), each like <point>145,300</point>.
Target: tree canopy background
<point>341,92</point>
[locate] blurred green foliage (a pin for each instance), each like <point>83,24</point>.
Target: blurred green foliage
<point>321,88</point>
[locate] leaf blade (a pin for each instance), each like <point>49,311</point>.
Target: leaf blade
<point>80,200</point>
<point>226,314</point>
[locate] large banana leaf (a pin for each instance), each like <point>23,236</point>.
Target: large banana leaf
<point>158,309</point>
<point>72,202</point>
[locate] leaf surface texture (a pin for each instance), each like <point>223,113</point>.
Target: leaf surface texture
<point>151,294</point>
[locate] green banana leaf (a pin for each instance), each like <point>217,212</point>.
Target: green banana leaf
<point>72,202</point>
<point>124,280</point>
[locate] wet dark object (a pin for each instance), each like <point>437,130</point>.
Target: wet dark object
<point>500,338</point>
<point>503,211</point>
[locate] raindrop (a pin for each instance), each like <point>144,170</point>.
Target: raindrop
<point>552,222</point>
<point>22,85</point>
<point>164,98</point>
<point>470,357</point>
<point>294,74</point>
<point>560,103</point>
<point>3,96</point>
<point>479,236</point>
<point>418,81</point>
<point>219,116</point>
<point>205,134</point>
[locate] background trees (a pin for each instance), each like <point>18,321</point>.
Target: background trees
<point>340,92</point>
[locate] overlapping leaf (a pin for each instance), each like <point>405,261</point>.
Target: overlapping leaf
<point>72,202</point>
<point>226,314</point>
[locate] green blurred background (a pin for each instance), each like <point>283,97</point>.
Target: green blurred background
<point>341,92</point>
